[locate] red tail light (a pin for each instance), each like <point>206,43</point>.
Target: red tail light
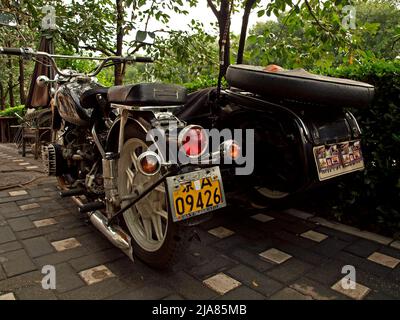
<point>194,141</point>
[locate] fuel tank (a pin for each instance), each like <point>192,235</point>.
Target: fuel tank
<point>68,102</point>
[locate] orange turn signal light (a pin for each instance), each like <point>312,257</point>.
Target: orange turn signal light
<point>149,163</point>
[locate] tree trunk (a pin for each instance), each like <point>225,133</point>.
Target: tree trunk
<point>2,97</point>
<point>10,83</point>
<point>224,30</point>
<point>118,75</point>
<point>243,34</point>
<point>22,96</point>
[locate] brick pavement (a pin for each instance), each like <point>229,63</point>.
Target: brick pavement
<point>243,254</point>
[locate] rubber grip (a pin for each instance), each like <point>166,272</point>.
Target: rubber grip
<point>12,51</point>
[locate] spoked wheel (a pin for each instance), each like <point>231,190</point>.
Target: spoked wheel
<point>156,239</point>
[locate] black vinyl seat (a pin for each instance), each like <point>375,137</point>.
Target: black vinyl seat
<point>301,86</point>
<point>148,94</point>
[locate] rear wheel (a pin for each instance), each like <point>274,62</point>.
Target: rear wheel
<point>156,239</point>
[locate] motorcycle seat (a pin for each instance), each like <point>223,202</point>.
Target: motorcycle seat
<point>148,94</point>
<point>300,86</point>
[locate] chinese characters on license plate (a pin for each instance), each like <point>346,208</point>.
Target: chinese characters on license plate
<point>337,159</point>
<point>194,193</point>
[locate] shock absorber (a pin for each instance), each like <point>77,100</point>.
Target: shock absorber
<point>110,174</point>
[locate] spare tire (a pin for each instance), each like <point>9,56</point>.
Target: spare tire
<point>301,86</point>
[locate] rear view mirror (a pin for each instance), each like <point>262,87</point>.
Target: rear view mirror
<point>8,19</point>
<point>145,37</point>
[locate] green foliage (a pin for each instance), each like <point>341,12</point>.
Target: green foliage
<point>313,35</point>
<point>10,112</point>
<point>185,56</point>
<point>202,83</point>
<point>373,196</point>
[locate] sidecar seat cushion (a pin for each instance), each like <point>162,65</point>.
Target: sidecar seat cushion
<point>148,94</point>
<point>300,85</point>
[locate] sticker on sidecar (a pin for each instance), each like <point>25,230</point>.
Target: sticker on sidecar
<point>336,159</point>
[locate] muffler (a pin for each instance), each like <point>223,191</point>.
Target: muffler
<point>113,233</point>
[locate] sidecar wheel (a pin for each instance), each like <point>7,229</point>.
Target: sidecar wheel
<point>156,239</point>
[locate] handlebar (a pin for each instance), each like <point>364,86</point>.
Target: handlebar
<point>28,53</point>
<point>12,51</point>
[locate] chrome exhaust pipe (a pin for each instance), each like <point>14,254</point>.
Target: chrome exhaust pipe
<point>113,233</point>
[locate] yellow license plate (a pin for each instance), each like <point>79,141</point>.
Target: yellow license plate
<point>196,193</point>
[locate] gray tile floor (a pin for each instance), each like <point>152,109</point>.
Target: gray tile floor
<point>242,254</point>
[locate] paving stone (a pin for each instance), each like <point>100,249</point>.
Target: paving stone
<point>29,206</point>
<point>174,297</point>
<point>62,256</point>
<point>353,231</point>
<point>302,254</point>
<point>395,244</point>
<point>314,236</point>
<point>36,232</point>
<point>363,264</point>
<point>221,232</point>
<point>135,274</point>
<point>96,274</point>
<point>363,248</point>
<point>189,287</point>
<point>275,256</point>
<point>299,214</point>
<point>152,291</point>
<point>7,296</point>
<point>359,291</point>
<point>289,294</point>
<point>255,280</point>
<point>328,273</point>
<point>35,292</point>
<point>390,251</point>
<point>217,264</point>
<point>384,260</point>
<point>95,259</point>
<point>95,241</point>
<point>37,247</point>
<point>97,291</point>
<point>24,163</point>
<point>20,224</point>
<point>66,244</point>
<point>44,222</point>
<point>389,285</point>
<point>289,271</point>
<point>32,167</point>
<point>315,290</point>
<point>252,260</point>
<point>294,239</point>
<point>17,193</point>
<point>330,247</point>
<point>262,217</point>
<point>242,293</point>
<point>6,235</point>
<point>67,278</point>
<point>17,262</point>
<point>10,246</point>
<point>221,283</point>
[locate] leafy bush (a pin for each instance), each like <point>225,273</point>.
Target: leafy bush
<point>202,83</point>
<point>10,112</point>
<point>373,196</point>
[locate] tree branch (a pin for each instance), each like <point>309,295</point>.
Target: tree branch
<point>315,17</point>
<point>213,8</point>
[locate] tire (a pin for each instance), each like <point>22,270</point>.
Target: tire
<point>175,236</point>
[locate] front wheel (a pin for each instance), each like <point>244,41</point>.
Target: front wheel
<point>156,239</point>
